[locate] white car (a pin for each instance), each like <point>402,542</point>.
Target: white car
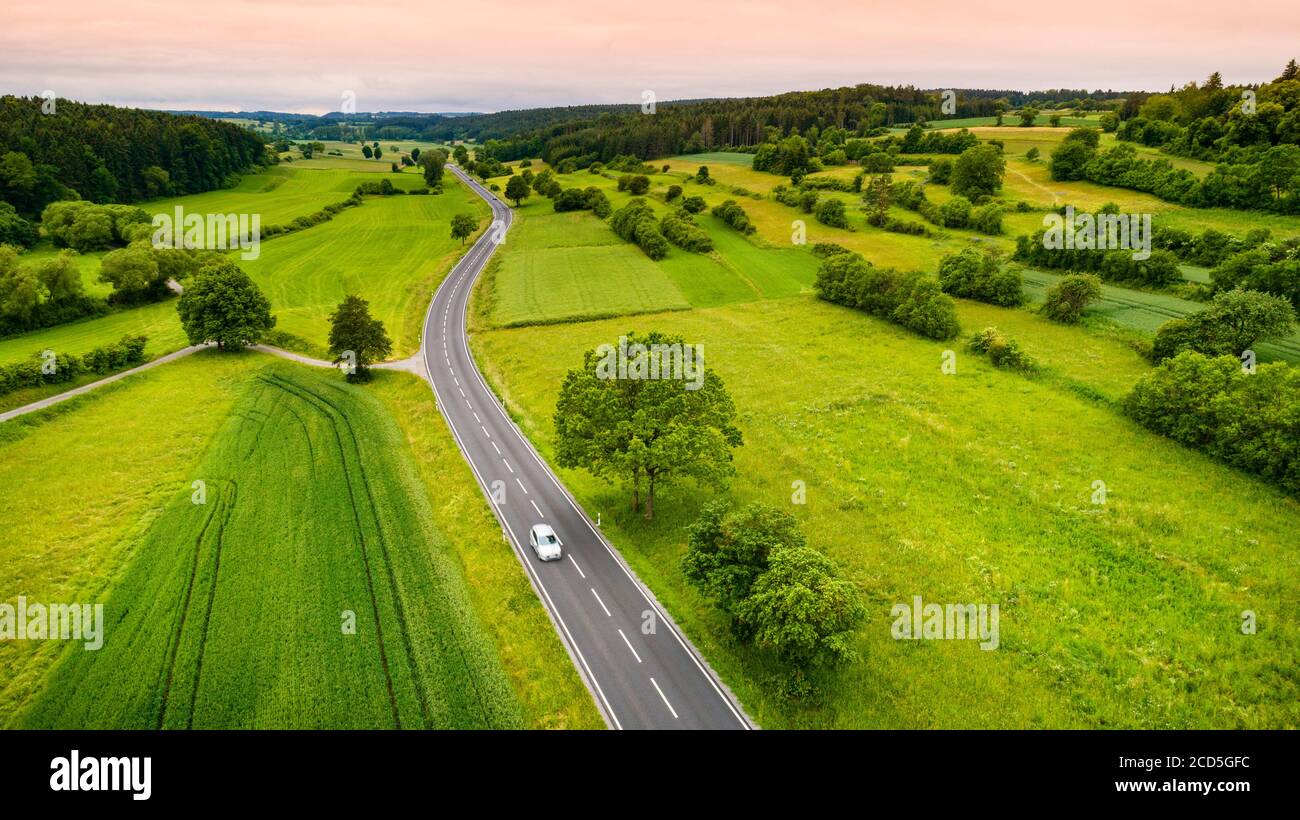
<point>546,544</point>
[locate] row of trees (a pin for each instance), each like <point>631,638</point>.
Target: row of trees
<point>48,367</point>
<point>1113,265</point>
<point>41,293</point>
<point>635,222</point>
<point>1269,267</point>
<point>956,212</point>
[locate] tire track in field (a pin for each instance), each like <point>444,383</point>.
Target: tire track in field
<point>226,510</point>
<point>296,390</point>
<point>184,614</point>
<point>392,581</point>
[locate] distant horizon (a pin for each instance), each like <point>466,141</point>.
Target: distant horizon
<point>293,57</point>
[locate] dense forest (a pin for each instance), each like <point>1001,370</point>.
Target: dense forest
<point>59,149</point>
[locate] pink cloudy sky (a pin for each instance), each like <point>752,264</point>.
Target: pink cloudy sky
<point>485,55</point>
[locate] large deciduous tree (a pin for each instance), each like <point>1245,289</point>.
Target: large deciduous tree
<point>978,172</point>
<point>357,338</point>
<point>462,225</point>
<point>517,189</point>
<point>623,422</point>
<point>221,304</point>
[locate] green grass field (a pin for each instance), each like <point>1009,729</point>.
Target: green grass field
<point>158,321</point>
<point>391,251</point>
<point>230,613</point>
<point>282,193</point>
<point>121,464</point>
<point>572,266</point>
<point>974,487</point>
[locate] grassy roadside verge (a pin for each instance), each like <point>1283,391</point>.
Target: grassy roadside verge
<point>545,681</point>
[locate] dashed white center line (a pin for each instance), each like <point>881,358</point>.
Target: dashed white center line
<point>508,467</point>
<point>629,646</point>
<point>569,555</point>
<point>495,447</point>
<point>485,432</point>
<point>480,421</point>
<point>462,394</point>
<point>661,694</point>
<point>535,507</point>
<point>521,484</point>
<point>602,603</point>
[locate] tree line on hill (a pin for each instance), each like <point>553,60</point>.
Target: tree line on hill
<point>1252,133</point>
<point>589,134</point>
<point>60,149</point>
<point>1212,121</point>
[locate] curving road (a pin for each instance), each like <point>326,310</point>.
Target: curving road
<point>641,671</point>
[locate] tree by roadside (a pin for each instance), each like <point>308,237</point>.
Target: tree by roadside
<point>462,226</point>
<point>517,189</point>
<point>222,304</point>
<point>357,339</point>
<point>638,424</point>
<point>432,163</point>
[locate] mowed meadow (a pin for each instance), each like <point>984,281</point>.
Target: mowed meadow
<point>975,488</point>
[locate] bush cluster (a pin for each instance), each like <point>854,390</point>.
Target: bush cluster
<point>980,276</point>
<point>589,199</point>
<point>680,229</point>
<point>734,215</point>
<point>65,367</point>
<point>1002,351</point>
<point>911,300</point>
<point>635,222</point>
<point>1250,420</point>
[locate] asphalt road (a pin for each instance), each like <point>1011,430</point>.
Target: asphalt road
<point>642,672</point>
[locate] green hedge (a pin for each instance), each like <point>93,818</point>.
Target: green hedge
<point>127,352</point>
